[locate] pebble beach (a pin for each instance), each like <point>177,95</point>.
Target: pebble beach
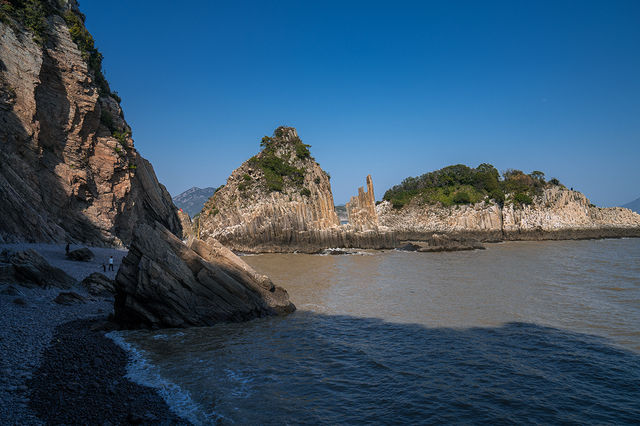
<point>54,358</point>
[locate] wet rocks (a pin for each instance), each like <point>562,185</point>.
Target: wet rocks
<point>29,269</point>
<point>80,255</point>
<point>68,298</point>
<point>98,284</point>
<point>164,283</point>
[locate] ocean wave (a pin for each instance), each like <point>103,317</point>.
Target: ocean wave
<point>142,372</point>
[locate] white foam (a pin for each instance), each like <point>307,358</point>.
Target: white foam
<point>140,371</point>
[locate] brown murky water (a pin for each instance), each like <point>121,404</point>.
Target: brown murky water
<point>533,332</point>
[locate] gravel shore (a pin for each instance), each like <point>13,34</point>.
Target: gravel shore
<point>37,334</point>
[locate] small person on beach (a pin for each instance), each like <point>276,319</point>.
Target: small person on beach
<point>104,267</point>
<point>66,249</point>
<point>111,263</point>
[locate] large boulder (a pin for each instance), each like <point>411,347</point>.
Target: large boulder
<point>98,284</point>
<point>29,269</point>
<point>165,283</point>
<point>80,255</point>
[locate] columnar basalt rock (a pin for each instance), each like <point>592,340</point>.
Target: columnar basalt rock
<point>361,209</point>
<point>557,213</point>
<point>68,168</point>
<point>279,198</point>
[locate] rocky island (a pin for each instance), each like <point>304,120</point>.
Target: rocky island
<point>279,201</point>
<point>479,204</point>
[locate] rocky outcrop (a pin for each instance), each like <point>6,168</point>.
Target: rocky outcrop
<point>186,224</point>
<point>279,198</point>
<point>80,255</point>
<point>98,284</point>
<point>29,269</point>
<point>68,167</point>
<point>361,209</point>
<point>557,213</point>
<point>165,283</point>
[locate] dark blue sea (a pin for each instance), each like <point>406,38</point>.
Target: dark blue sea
<point>520,333</point>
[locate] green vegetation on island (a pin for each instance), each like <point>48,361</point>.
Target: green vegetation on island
<point>460,184</point>
<point>275,163</point>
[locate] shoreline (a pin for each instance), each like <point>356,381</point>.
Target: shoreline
<point>82,379</point>
<point>316,242</point>
<point>52,355</point>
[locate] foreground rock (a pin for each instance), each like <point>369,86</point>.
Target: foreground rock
<point>99,285</point>
<point>164,283</point>
<point>80,255</point>
<point>29,269</point>
<point>68,167</point>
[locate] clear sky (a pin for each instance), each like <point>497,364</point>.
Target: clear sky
<point>392,88</point>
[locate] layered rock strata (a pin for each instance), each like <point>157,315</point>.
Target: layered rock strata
<point>68,167</point>
<point>29,269</point>
<point>557,213</point>
<point>165,283</point>
<point>361,209</point>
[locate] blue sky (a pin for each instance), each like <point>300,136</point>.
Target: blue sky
<point>391,89</point>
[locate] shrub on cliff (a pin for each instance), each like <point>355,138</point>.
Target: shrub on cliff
<point>31,14</point>
<point>277,168</point>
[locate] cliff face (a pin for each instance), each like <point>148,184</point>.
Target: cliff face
<point>68,167</point>
<point>281,197</point>
<point>557,213</point>
<point>361,209</point>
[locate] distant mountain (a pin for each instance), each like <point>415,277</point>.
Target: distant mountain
<point>634,205</point>
<point>192,200</point>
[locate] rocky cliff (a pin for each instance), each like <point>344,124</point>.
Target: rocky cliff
<point>557,213</point>
<point>280,198</point>
<point>68,167</point>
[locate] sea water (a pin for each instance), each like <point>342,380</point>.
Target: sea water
<point>522,332</point>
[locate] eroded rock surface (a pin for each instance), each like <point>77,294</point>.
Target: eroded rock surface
<point>80,255</point>
<point>68,167</point>
<point>165,283</point>
<point>361,209</point>
<point>279,198</point>
<point>558,213</point>
<point>98,284</point>
<point>29,269</point>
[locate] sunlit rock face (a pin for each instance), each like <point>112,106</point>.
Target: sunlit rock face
<point>361,209</point>
<point>68,167</point>
<point>557,213</point>
<point>279,200</point>
<point>164,282</point>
